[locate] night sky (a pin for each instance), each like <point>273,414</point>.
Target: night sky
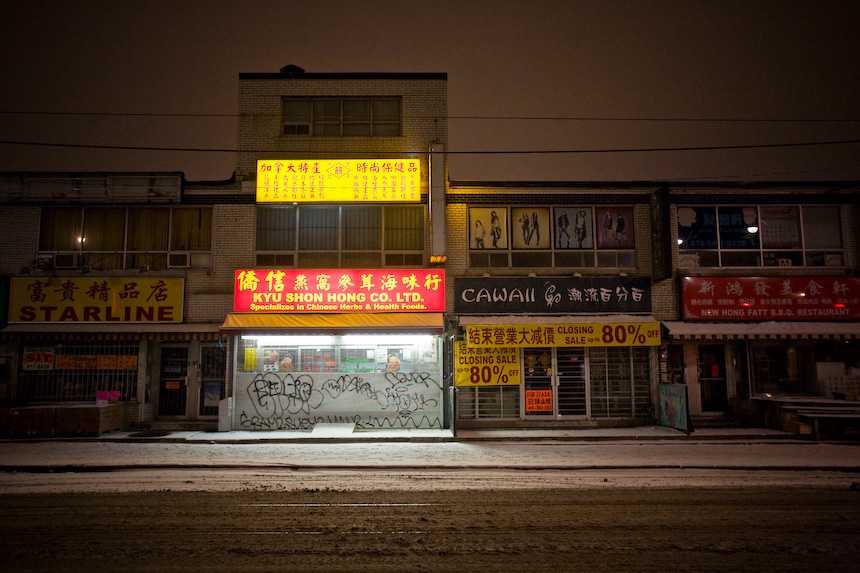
<point>693,59</point>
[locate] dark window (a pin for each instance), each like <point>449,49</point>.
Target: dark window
<point>192,229</point>
<point>336,117</point>
<point>60,229</point>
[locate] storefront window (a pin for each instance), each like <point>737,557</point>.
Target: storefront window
<point>376,381</point>
<point>754,236</point>
<point>575,236</point>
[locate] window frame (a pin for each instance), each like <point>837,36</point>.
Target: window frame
<point>554,251</point>
<point>761,250</point>
<point>293,257</point>
<point>81,254</point>
<point>297,128</point>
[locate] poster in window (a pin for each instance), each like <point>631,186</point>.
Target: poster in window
<point>573,228</point>
<point>615,228</point>
<point>697,228</point>
<point>488,228</point>
<point>531,228</point>
<point>780,227</point>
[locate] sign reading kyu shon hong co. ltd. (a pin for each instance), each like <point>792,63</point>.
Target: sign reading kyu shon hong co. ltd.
<point>552,295</point>
<point>338,180</point>
<point>338,290</point>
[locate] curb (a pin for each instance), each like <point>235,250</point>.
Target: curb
<point>95,468</point>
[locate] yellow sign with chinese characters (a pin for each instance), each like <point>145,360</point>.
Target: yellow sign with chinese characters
<point>96,299</point>
<point>474,366</point>
<point>576,334</point>
<point>338,180</point>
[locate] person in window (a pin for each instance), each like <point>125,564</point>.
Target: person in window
<point>620,227</point>
<point>579,227</point>
<point>525,224</point>
<point>563,224</point>
<point>535,229</point>
<point>286,363</point>
<point>479,234</point>
<point>393,366</point>
<point>495,229</point>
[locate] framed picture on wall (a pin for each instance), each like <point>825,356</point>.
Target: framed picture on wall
<point>573,228</point>
<point>615,228</point>
<point>488,228</point>
<point>531,228</point>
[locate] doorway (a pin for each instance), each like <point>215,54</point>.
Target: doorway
<point>555,383</point>
<point>712,377</point>
<point>173,381</point>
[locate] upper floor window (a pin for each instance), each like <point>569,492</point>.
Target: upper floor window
<point>338,117</point>
<point>340,235</point>
<point>579,236</point>
<point>117,238</point>
<point>760,235</point>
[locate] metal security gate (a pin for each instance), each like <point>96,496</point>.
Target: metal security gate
<point>572,386</point>
<point>620,382</point>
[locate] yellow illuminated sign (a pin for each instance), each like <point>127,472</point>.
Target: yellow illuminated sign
<point>475,366</point>
<point>338,180</point>
<point>575,334</point>
<point>96,299</point>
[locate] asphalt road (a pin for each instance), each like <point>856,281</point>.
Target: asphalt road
<point>759,528</point>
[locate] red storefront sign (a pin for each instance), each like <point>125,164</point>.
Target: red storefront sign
<point>771,298</point>
<point>338,290</point>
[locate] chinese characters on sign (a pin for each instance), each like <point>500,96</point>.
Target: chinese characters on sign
<point>485,366</point>
<point>538,401</point>
<point>574,334</point>
<point>96,299</point>
<point>339,290</point>
<point>556,295</point>
<point>338,180</point>
<point>771,298</point>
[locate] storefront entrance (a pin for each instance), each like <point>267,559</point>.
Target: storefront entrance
<point>712,377</point>
<point>173,381</point>
<point>555,383</point>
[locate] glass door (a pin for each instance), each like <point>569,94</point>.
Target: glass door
<point>173,381</point>
<point>538,386</point>
<point>213,363</point>
<point>712,377</point>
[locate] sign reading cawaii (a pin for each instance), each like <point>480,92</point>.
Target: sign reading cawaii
<point>552,295</point>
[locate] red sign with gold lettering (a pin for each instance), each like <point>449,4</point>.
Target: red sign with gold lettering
<point>771,298</point>
<point>338,290</point>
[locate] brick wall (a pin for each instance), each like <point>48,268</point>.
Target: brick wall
<point>209,294</point>
<point>424,107</point>
<point>19,240</point>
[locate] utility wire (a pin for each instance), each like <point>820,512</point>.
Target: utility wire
<point>453,117</point>
<point>451,152</point>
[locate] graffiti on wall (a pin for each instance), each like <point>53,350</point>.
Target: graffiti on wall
<point>300,400</point>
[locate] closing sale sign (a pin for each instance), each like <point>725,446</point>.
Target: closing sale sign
<point>485,366</point>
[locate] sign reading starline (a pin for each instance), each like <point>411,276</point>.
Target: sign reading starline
<point>338,290</point>
<point>338,180</point>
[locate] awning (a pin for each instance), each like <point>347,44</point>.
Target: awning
<point>762,330</point>
<point>466,320</point>
<point>377,322</point>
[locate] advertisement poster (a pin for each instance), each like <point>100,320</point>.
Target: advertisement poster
<point>338,180</point>
<point>615,228</point>
<point>486,366</point>
<point>574,228</point>
<point>530,228</point>
<point>538,401</point>
<point>488,228</point>
<point>564,335</point>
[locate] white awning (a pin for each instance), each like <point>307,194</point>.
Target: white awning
<point>466,320</point>
<point>762,330</point>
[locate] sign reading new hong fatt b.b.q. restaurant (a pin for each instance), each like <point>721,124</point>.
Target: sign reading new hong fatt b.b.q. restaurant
<point>338,290</point>
<point>552,295</point>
